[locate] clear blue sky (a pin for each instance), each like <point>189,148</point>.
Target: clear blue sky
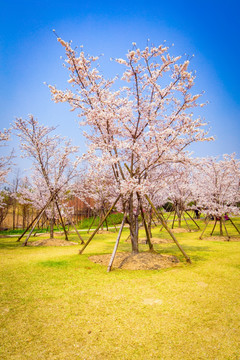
<point>30,55</point>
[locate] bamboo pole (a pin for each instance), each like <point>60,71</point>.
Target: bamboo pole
<point>168,230</point>
<point>94,233</point>
<point>116,244</point>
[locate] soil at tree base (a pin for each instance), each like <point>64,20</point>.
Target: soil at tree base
<point>154,240</point>
<point>221,238</point>
<point>52,242</point>
<point>140,261</point>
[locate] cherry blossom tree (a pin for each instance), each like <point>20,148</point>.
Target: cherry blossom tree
<point>53,168</point>
<point>5,161</point>
<point>142,125</point>
<point>97,189</point>
<point>5,167</point>
<point>218,189</point>
<point>181,190</point>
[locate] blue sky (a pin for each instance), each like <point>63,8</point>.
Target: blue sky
<point>30,55</point>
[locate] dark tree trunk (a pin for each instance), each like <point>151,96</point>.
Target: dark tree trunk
<point>133,226</point>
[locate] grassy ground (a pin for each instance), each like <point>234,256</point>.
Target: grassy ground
<point>56,304</point>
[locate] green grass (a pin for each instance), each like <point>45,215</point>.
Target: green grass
<point>56,304</point>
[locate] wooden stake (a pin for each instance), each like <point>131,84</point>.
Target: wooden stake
<point>168,230</point>
<point>200,237</point>
<point>166,220</point>
<point>224,224</point>
<point>193,220</point>
<point>173,219</point>
<point>186,221</point>
<point>25,242</point>
<point>65,231</point>
<point>94,233</point>
<point>116,244</point>
<point>234,225</point>
<point>72,223</point>
<point>214,225</point>
<point>92,223</point>
<point>33,221</point>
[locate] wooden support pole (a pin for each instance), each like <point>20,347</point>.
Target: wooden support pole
<point>105,219</point>
<point>186,221</point>
<point>174,218</point>
<point>64,229</point>
<point>116,244</point>
<point>168,230</point>
<point>94,233</point>
<point>200,237</point>
<point>72,223</point>
<point>92,223</point>
<point>166,221</point>
<point>75,228</point>
<point>224,224</point>
<point>193,220</point>
<point>27,238</point>
<point>234,225</point>
<point>215,218</point>
<point>33,221</point>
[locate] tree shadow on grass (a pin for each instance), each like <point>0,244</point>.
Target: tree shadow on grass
<point>195,252</point>
<point>10,243</point>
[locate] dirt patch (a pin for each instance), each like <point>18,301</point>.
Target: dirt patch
<point>103,232</point>
<point>179,230</point>
<point>52,242</point>
<point>155,240</point>
<point>140,261</point>
<point>221,238</point>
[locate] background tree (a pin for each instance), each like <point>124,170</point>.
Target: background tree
<point>217,188</point>
<point>5,167</point>
<point>53,168</point>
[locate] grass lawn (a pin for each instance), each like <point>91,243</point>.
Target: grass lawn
<point>56,304</point>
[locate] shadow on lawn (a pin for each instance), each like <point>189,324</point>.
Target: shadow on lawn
<point>10,243</point>
<point>195,252</point>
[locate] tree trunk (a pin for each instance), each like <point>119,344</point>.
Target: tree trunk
<point>179,215</point>
<point>149,223</point>
<point>133,226</point>
<point>52,223</point>
<point>221,227</point>
<point>14,214</point>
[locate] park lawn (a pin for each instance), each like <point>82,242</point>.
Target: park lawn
<point>56,304</point>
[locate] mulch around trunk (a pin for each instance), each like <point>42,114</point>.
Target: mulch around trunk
<point>155,240</point>
<point>179,230</point>
<point>221,238</point>
<point>140,261</point>
<point>52,242</point>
